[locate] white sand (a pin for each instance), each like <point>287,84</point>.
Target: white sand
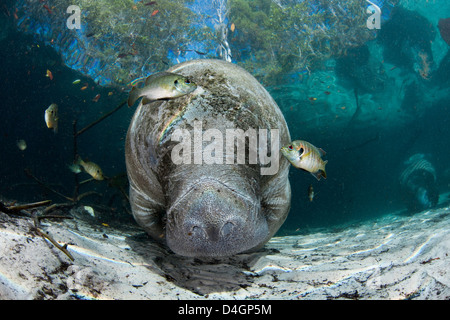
<point>396,257</point>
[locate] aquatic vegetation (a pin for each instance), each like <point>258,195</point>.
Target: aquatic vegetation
<point>278,37</point>
<point>122,40</point>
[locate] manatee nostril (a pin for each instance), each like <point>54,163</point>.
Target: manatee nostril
<point>227,229</point>
<point>196,230</point>
<point>211,232</point>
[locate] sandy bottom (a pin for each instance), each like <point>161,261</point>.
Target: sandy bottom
<point>395,257</point>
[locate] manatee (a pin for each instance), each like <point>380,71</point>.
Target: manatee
<point>212,206</point>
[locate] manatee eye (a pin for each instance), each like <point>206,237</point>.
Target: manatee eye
<point>290,147</point>
<point>301,151</point>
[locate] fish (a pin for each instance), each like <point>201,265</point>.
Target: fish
<point>95,99</point>
<point>190,50</point>
<point>47,8</point>
<point>312,99</point>
<point>303,155</point>
<point>89,167</point>
<point>75,168</point>
<point>155,12</point>
<point>84,87</point>
<point>310,193</point>
<point>51,117</point>
<point>232,27</point>
<point>49,74</point>
<point>327,93</point>
<point>76,81</point>
<point>162,85</point>
<point>21,144</point>
<point>150,3</point>
<point>123,55</point>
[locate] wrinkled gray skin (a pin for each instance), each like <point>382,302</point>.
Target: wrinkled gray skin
<point>208,210</point>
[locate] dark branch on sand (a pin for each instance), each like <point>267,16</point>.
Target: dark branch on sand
<point>56,244</point>
<point>36,219</point>
<point>44,235</point>
<point>15,209</point>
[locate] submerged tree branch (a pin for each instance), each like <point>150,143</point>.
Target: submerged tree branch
<point>15,209</point>
<point>44,235</point>
<point>56,244</point>
<point>106,115</point>
<point>29,174</point>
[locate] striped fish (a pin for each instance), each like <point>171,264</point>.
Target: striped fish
<point>415,163</point>
<point>303,155</point>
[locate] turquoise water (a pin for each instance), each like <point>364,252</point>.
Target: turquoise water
<point>369,98</point>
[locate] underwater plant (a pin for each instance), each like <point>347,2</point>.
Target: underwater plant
<point>120,40</point>
<point>278,37</point>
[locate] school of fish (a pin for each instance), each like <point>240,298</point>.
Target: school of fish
<point>162,85</point>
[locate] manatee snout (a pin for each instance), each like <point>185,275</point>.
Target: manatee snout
<point>212,219</point>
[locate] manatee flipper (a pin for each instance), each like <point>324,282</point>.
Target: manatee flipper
<point>148,214</point>
<point>146,195</point>
<point>276,200</point>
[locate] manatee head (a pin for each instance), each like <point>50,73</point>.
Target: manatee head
<point>213,219</point>
<point>184,190</point>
